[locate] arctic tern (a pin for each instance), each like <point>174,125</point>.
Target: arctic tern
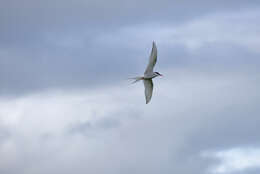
<point>149,75</point>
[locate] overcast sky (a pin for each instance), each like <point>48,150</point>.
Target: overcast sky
<point>66,105</point>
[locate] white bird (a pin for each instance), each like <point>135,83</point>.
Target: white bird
<point>149,75</point>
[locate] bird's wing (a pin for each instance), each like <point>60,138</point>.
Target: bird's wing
<point>152,60</point>
<point>148,85</point>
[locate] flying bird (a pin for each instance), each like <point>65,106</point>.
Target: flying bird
<point>149,75</point>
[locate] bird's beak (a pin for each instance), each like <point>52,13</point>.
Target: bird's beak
<point>161,75</point>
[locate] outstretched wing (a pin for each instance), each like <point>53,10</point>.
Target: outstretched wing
<point>148,85</point>
<point>152,60</point>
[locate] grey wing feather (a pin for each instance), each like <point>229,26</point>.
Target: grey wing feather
<point>148,85</point>
<point>152,60</point>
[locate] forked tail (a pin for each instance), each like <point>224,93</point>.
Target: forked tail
<point>136,79</point>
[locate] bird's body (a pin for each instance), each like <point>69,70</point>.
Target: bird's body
<point>149,74</point>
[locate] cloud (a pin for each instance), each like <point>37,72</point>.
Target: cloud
<point>224,28</point>
<point>235,160</point>
<point>66,108</point>
<point>89,55</point>
<point>113,13</point>
<point>112,130</point>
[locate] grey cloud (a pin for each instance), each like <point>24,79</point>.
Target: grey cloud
<point>206,111</point>
<point>4,134</point>
<point>66,45</point>
<point>88,67</point>
<point>115,11</point>
<point>249,171</point>
<point>95,122</point>
<point>109,123</point>
<point>87,128</point>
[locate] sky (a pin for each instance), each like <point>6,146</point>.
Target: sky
<point>67,106</point>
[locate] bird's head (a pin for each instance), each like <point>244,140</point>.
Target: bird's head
<point>158,74</point>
